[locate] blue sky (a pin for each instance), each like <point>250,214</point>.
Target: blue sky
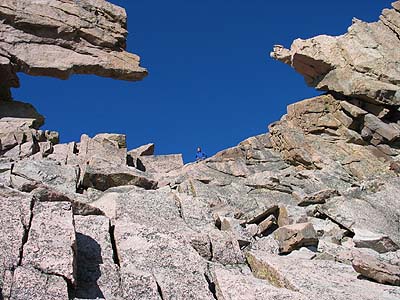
<point>211,82</point>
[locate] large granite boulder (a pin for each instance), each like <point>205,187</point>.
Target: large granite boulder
<point>104,178</point>
<point>240,284</point>
<point>153,263</point>
<point>134,154</point>
<point>160,163</point>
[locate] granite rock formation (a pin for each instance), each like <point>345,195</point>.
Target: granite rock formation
<point>307,210</point>
<point>59,38</point>
<point>362,63</point>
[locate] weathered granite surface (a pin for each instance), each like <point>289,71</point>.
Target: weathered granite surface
<point>307,210</point>
<point>363,63</point>
<point>59,38</point>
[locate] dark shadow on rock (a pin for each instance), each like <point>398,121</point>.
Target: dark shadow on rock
<point>140,166</point>
<point>362,277</point>
<point>89,260</point>
<point>17,109</point>
<point>1,294</point>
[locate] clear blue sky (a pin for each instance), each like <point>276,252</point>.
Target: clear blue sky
<point>211,81</point>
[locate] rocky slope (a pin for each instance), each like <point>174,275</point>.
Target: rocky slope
<point>308,210</point>
<point>60,37</point>
<point>362,63</point>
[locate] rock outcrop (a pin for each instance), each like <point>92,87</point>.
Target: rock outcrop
<point>362,64</point>
<point>59,38</point>
<point>308,210</point>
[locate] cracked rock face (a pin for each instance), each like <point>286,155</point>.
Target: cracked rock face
<point>59,38</point>
<point>44,249</point>
<point>308,210</point>
<point>363,63</point>
<point>30,283</point>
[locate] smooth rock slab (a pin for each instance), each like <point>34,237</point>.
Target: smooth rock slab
<point>370,213</point>
<point>62,177</point>
<point>14,219</point>
<point>317,279</point>
<point>153,208</point>
<point>235,284</point>
<point>51,245</point>
<point>177,268</point>
<point>235,168</point>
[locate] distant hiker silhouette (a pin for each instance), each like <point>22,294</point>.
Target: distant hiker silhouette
<point>200,155</point>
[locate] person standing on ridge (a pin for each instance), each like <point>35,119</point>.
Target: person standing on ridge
<point>200,155</point>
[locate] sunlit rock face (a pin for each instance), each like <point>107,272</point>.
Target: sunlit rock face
<point>307,210</point>
<point>364,63</point>
<point>59,38</point>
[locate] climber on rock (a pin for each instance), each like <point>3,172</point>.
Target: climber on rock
<point>200,155</point>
